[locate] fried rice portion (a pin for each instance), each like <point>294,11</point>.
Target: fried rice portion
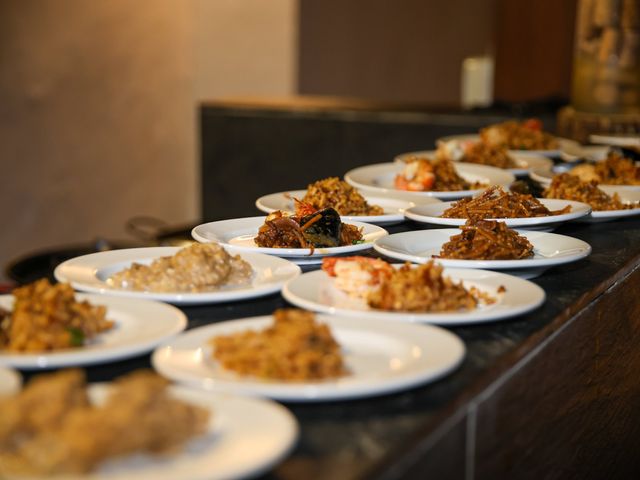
<point>614,170</point>
<point>294,348</point>
<point>424,289</point>
<point>571,187</point>
<point>338,194</point>
<point>48,317</point>
<point>514,135</point>
<point>476,152</point>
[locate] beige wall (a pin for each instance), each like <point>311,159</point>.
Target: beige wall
<point>245,47</point>
<point>98,106</point>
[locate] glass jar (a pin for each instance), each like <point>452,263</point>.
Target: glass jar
<point>606,68</point>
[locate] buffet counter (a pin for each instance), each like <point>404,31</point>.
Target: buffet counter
<point>550,394</point>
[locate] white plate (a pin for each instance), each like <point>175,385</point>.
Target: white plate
<point>393,208</point>
<point>315,291</point>
<point>563,143</point>
<point>383,357</point>
<point>140,325</point>
<point>631,140</point>
<point>240,232</point>
<point>524,162</point>
<point>432,214</point>
<point>379,179</point>
<point>549,250</point>
<point>90,273</point>
<point>245,437</point>
<point>544,177</point>
<point>10,381</point>
<point>590,152</point>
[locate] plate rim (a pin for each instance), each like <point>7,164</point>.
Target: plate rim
<point>614,214</point>
<point>632,140</point>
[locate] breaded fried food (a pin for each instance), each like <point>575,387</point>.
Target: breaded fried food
<point>42,406</point>
<point>138,416</point>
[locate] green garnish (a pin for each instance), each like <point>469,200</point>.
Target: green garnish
<point>77,336</point>
<point>358,242</point>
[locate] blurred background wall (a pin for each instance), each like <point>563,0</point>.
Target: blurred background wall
<point>412,50</point>
<point>98,106</point>
<point>98,99</point>
<point>405,51</point>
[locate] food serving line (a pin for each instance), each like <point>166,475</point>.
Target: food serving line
<point>476,417</point>
<point>527,390</point>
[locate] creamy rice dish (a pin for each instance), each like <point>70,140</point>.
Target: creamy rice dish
<point>197,268</point>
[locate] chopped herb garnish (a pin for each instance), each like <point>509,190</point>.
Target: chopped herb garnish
<point>77,336</point>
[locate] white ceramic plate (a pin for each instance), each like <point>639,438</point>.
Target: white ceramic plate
<point>432,214</point>
<point>590,152</point>
<point>379,179</point>
<point>90,273</point>
<point>544,177</point>
<point>616,140</point>
<point>524,162</point>
<point>140,325</point>
<point>245,437</point>
<point>315,291</point>
<point>240,232</point>
<point>549,250</point>
<point>383,357</point>
<point>393,208</point>
<point>10,381</point>
<point>563,143</point>
<point>626,195</point>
